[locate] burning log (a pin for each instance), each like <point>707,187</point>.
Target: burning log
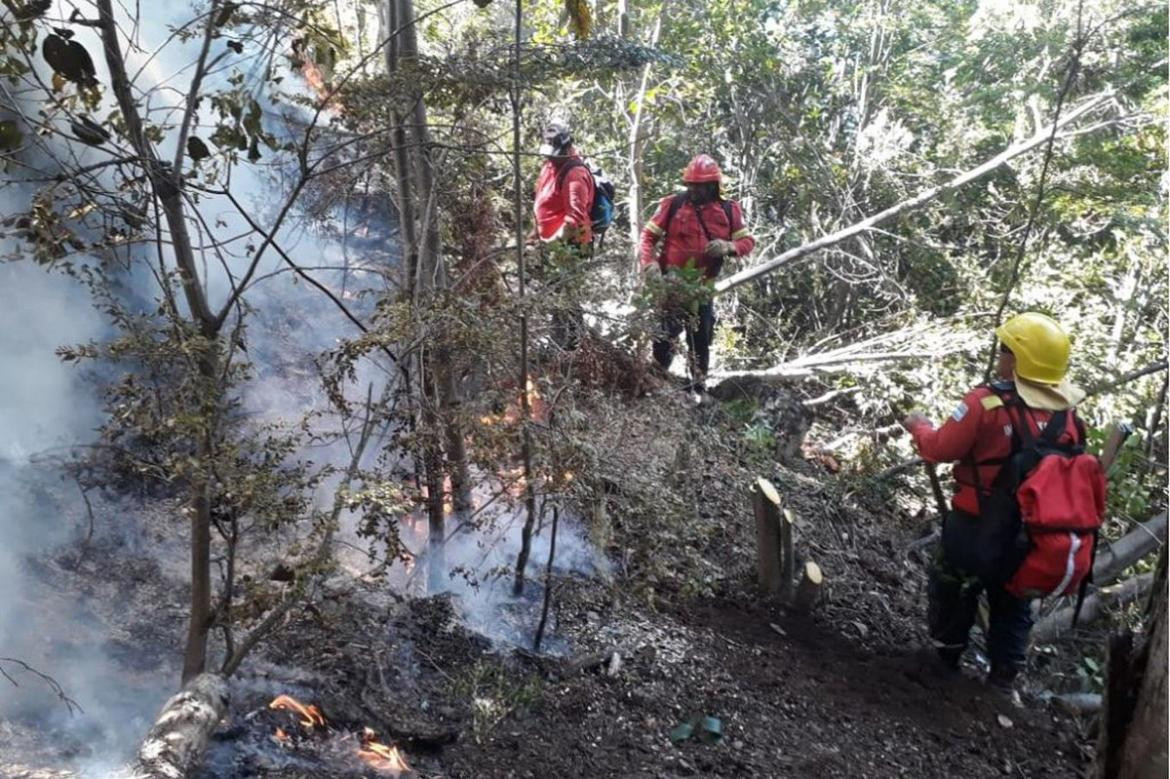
<point>809,589</point>
<point>176,742</point>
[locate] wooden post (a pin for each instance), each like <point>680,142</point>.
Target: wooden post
<point>809,589</point>
<point>787,559</point>
<point>766,502</point>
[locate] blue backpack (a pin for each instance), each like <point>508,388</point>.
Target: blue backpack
<point>601,212</point>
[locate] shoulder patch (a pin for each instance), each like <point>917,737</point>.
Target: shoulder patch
<point>991,401</point>
<point>960,412</point>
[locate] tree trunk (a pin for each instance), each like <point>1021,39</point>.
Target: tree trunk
<point>1132,742</point>
<point>438,389</point>
<point>176,742</point>
<point>907,205</point>
<point>166,185</point>
<point>1145,743</point>
<point>787,555</point>
<point>636,144</point>
<point>522,281</point>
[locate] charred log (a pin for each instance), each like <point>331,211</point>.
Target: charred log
<point>175,744</point>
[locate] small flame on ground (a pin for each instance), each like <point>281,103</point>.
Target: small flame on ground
<point>381,756</point>
<point>311,716</point>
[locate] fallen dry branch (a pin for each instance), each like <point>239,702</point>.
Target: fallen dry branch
<point>176,742</point>
<point>58,690</point>
<point>816,365</point>
<point>1041,136</point>
<point>588,662</point>
<point>1113,559</point>
<point>18,771</point>
<point>1105,386</point>
<point>1058,622</point>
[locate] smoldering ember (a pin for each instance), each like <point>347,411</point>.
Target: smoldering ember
<point>583,388</point>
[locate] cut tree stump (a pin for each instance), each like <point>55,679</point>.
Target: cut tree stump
<point>787,559</point>
<point>766,502</point>
<point>175,744</point>
<point>809,590</point>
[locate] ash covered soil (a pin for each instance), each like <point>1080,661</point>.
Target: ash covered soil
<point>843,691</point>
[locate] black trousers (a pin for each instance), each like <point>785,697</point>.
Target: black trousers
<point>953,602</point>
<point>700,329</point>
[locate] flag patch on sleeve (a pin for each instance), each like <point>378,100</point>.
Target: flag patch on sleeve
<point>960,412</point>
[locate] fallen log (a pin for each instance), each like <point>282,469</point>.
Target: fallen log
<point>808,592</point>
<point>1113,559</point>
<point>18,771</point>
<point>176,742</point>
<point>1060,621</point>
<point>588,662</point>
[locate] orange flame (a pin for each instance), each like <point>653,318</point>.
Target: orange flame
<point>311,716</point>
<point>381,756</point>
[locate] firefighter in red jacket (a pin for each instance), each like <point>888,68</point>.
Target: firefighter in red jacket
<point>698,229</point>
<point>978,437</point>
<point>564,197</point>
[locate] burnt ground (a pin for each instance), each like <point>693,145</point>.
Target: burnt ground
<point>845,690</point>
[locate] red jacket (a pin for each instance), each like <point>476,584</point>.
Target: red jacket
<point>565,202</point>
<point>685,237</point>
<point>980,429</point>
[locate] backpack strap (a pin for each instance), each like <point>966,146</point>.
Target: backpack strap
<point>677,202</point>
<point>1083,588</point>
<point>572,162</point>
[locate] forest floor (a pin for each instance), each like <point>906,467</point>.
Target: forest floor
<point>846,690</point>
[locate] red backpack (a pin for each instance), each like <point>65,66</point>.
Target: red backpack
<point>1053,494</point>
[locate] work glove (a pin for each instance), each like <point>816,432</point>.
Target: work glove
<point>914,419</point>
<point>719,248</point>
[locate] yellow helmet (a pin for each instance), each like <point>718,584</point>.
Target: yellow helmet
<point>1040,344</point>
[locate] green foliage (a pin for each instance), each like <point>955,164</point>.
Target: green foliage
<point>493,693</point>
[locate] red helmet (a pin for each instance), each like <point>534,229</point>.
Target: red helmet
<point>702,169</point>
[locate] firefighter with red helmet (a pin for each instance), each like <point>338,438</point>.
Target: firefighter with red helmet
<point>699,230</point>
<point>1032,401</point>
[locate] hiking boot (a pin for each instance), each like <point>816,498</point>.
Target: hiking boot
<point>1003,679</point>
<point>931,669</point>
